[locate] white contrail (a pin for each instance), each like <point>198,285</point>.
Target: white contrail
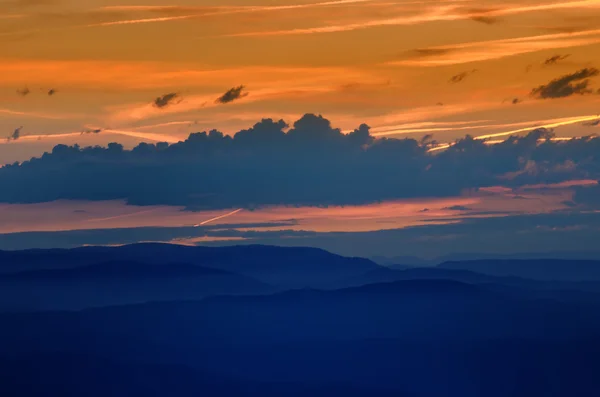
<point>145,135</point>
<point>235,10</point>
<point>167,124</point>
<point>219,217</point>
<point>110,218</point>
<point>569,121</point>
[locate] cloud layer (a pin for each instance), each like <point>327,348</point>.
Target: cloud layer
<point>312,163</point>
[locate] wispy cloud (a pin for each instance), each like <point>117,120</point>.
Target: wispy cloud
<point>12,16</point>
<point>442,127</point>
<point>489,138</point>
<point>39,137</point>
<point>166,124</point>
<point>568,121</point>
<point>423,126</point>
<point>143,20</point>
<point>496,49</point>
<point>207,11</point>
<point>10,112</point>
<point>438,13</point>
<point>231,8</point>
<point>145,135</point>
<point>142,75</point>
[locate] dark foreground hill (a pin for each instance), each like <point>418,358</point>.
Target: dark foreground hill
<point>418,337</point>
<point>205,323</point>
<point>76,375</point>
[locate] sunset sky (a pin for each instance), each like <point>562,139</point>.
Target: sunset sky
<point>91,72</point>
<point>403,67</point>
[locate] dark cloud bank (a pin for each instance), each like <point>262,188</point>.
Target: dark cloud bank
<point>558,235</point>
<point>310,164</point>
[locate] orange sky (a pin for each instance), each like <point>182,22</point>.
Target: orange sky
<point>386,63</point>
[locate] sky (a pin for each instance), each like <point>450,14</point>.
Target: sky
<point>92,72</point>
<point>403,67</point>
